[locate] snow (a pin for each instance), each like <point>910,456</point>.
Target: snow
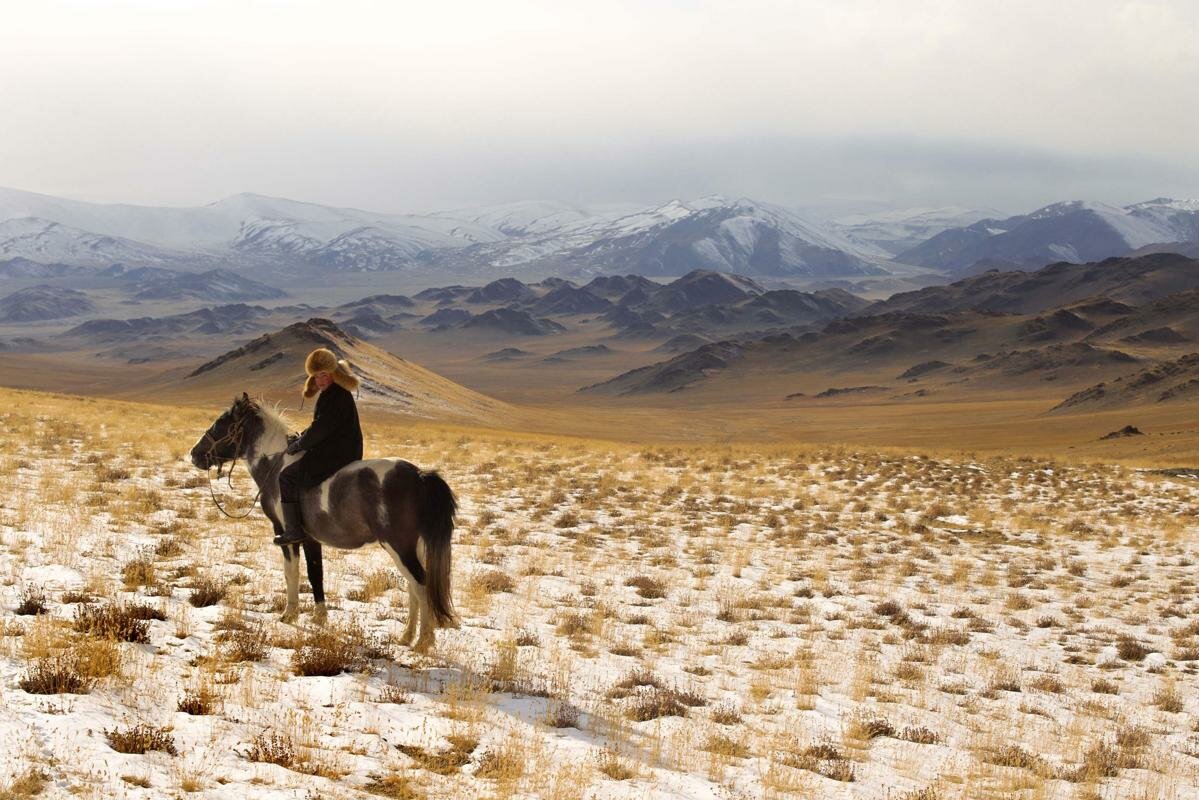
<point>812,581</point>
<point>525,217</point>
<point>1137,231</point>
<point>50,242</point>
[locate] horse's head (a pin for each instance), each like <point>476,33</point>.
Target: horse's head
<point>229,437</point>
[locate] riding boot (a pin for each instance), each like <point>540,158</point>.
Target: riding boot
<point>293,526</point>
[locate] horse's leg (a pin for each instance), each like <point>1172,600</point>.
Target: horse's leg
<point>428,626</point>
<point>291,572</point>
<point>316,579</point>
<point>413,610</point>
<point>418,604</point>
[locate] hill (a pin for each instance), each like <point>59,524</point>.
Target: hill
<point>272,364</point>
<point>1174,381</point>
<point>41,303</point>
<point>1074,231</point>
<point>1129,280</point>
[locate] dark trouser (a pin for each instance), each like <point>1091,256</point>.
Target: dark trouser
<point>292,481</point>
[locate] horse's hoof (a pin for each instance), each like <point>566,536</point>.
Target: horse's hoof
<point>406,639</point>
<point>423,645</point>
<point>320,614</point>
<point>290,615</point>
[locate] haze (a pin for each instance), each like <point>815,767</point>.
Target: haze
<point>407,107</point>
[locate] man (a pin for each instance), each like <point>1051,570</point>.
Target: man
<point>333,440</point>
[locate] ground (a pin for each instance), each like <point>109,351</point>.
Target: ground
<point>637,620</point>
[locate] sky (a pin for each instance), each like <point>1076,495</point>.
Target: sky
<point>416,107</point>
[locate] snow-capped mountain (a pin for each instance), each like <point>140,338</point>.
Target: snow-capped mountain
<point>536,217</point>
<point>741,236</point>
<point>47,242</point>
<point>1075,231</point>
<point>248,230</point>
<point>245,228</point>
<point>898,230</point>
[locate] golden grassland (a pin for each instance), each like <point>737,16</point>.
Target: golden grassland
<point>662,619</point>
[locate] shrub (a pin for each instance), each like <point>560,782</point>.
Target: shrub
<point>823,759</point>
<point>1168,699</point>
<point>647,587</point>
<point>723,745</point>
<point>139,572</point>
<point>1015,756</point>
<point>562,715</point>
<point>330,651</point>
<point>527,639</point>
<point>574,623</point>
<point>375,584</point>
<point>567,519</point>
<point>33,602</point>
<point>626,686</point>
<point>870,727</point>
<point>243,644</point>
<point>141,738</point>
<point>207,592</point>
<point>395,785</point>
<point>892,610</point>
<point>30,783</point>
<point>395,695</point>
<point>654,704</point>
<point>196,702</point>
<point>491,581</point>
<point>56,675</point>
<point>726,714</point>
<point>919,735</point>
<point>272,748</point>
<point>442,762</point>
<point>117,621</point>
<point>168,548</point>
<point>609,762</point>
<point>1130,649</point>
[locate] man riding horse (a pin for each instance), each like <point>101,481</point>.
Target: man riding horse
<point>332,441</point>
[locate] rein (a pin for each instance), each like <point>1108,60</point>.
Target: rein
<point>235,437</point>
<point>229,483</point>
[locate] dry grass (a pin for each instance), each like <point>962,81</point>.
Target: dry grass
<point>140,739</point>
<point>862,623</point>
<point>121,622</point>
<point>443,761</point>
<point>206,592</point>
<point>271,747</point>
<point>56,675</point>
<point>332,650</point>
<point>33,602</point>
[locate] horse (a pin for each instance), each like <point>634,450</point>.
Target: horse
<point>410,512</point>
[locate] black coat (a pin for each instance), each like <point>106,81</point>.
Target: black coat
<point>333,440</point>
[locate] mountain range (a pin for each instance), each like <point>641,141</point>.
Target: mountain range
<point>1131,324</point>
<point>534,239</point>
<point>1074,231</point>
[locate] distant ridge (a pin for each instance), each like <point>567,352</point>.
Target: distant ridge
<point>1131,280</point>
<point>1172,381</point>
<point>274,362</point>
<point>41,303</point>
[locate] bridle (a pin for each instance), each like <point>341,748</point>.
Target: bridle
<point>234,435</point>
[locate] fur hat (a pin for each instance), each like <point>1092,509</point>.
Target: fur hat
<point>322,360</point>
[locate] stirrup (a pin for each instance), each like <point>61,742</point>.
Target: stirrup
<point>290,537</point>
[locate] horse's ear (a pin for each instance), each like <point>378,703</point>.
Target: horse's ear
<point>245,398</point>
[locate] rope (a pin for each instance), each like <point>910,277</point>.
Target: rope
<point>229,483</point>
<point>234,435</point>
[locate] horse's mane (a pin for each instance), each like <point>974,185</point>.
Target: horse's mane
<point>274,424</point>
<point>273,417</point>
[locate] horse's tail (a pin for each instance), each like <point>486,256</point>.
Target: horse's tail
<point>438,507</point>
